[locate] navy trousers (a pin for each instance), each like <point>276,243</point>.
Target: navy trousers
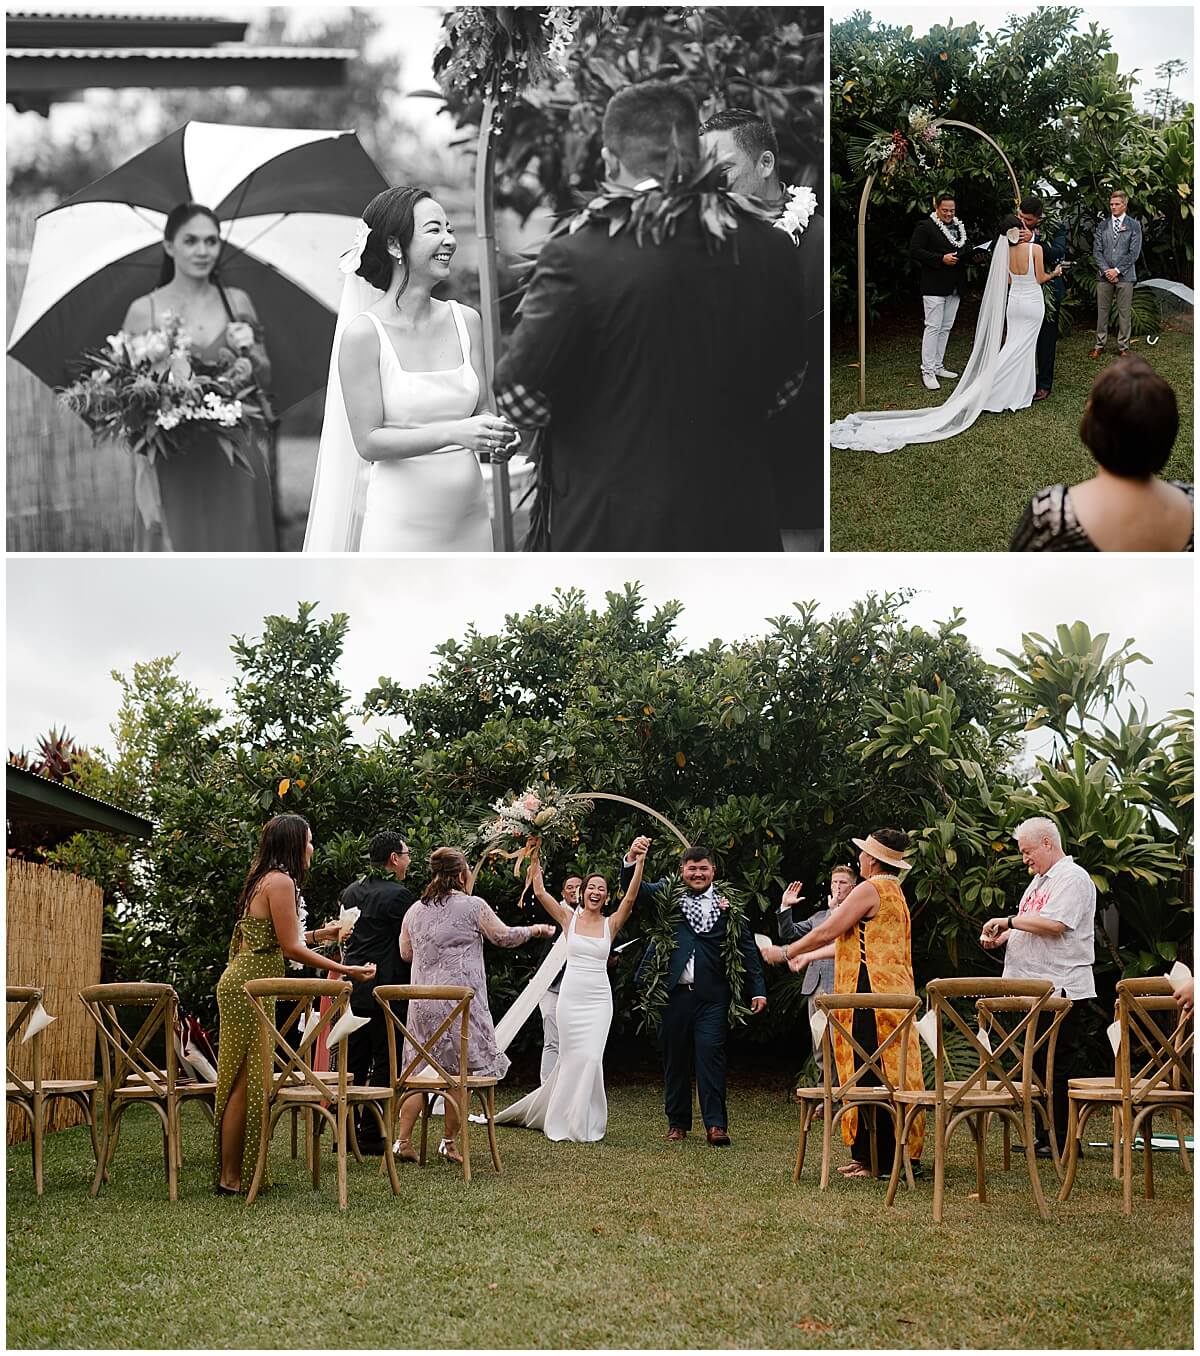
<point>692,1037</point>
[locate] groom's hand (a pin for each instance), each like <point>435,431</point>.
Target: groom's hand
<point>757,1005</point>
<point>949,260</point>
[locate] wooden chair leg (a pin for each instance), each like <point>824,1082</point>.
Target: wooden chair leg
<point>490,1112</point>
<point>1031,1161</point>
<point>1127,1157</point>
<point>826,1145</point>
<point>426,1105</point>
<point>102,1156</point>
<point>1006,1139</point>
<point>1116,1138</point>
<point>344,1133</point>
<point>1148,1156</point>
<point>1074,1130</point>
<point>464,1133</point>
<point>38,1120</point>
<point>264,1144</point>
<point>1177,1117</point>
<point>873,1140</point>
<point>805,1117</point>
<point>980,1140</point>
<point>295,1129</point>
<point>897,1157</point>
<point>939,1161</point>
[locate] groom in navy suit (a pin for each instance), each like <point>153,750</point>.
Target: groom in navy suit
<point>659,369</point>
<point>695,1022</point>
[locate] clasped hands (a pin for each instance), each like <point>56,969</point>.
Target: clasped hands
<point>490,433</point>
<point>994,933</point>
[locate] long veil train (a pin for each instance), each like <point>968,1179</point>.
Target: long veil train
<point>335,511</point>
<point>890,430</point>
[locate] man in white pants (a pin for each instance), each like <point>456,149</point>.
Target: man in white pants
<point>548,1003</point>
<point>936,246</point>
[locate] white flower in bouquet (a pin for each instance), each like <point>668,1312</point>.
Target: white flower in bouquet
<point>157,346</point>
<point>239,335</point>
<point>117,343</point>
<point>798,210</point>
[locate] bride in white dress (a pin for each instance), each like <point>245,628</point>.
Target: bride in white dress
<point>408,406</point>
<point>570,1104</point>
<point>1001,371</point>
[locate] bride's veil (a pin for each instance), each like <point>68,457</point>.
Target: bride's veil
<point>335,511</point>
<point>890,430</point>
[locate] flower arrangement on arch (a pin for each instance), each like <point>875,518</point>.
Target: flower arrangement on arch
<point>152,393</point>
<point>914,145</point>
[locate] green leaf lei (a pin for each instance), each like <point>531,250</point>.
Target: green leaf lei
<point>660,934</point>
<point>657,211</point>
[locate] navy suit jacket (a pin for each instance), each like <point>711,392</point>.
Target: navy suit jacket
<point>710,978</point>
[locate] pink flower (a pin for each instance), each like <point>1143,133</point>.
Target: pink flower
<point>532,802</point>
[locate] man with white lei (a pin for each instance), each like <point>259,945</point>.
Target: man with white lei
<point>937,244</point>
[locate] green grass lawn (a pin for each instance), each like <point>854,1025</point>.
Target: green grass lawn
<point>629,1243</point>
<point>967,493</point>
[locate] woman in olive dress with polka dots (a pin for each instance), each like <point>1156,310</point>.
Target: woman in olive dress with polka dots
<point>267,930</point>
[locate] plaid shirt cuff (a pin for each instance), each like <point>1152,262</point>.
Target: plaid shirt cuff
<point>788,392</point>
<point>526,408</point>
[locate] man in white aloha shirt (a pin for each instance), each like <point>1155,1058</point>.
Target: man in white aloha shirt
<point>1052,936</point>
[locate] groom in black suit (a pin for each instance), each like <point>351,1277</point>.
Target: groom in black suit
<point>695,1022</point>
<point>657,366</point>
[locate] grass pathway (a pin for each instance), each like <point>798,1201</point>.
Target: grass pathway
<point>967,493</point>
<point>627,1243</point>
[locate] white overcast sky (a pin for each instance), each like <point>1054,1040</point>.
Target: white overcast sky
<point>1144,35</point>
<point>72,620</point>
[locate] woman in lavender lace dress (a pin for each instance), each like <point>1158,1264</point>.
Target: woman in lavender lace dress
<point>443,937</point>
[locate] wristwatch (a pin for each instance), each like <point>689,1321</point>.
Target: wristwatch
<point>1012,921</point>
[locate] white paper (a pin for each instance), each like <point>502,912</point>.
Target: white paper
<point>1113,1032</point>
<point>818,1022</point>
<point>1178,974</point>
<point>39,1020</point>
<point>985,1040</point>
<point>927,1026</point>
<point>348,1023</point>
<point>761,941</point>
<point>199,1065</point>
<point>630,942</point>
<point>516,1017</point>
<point>346,921</point>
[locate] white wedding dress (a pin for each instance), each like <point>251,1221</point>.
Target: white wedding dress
<point>571,1104</point>
<point>1000,373</point>
<point>433,502</point>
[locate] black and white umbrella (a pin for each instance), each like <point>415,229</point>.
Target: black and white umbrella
<point>287,200</point>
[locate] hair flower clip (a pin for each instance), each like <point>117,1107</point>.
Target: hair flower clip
<point>1013,235</point>
<point>351,258</point>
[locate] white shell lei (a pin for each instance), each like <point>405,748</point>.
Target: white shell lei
<point>954,221</point>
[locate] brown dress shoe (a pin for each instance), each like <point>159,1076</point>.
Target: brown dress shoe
<point>717,1136</point>
<point>1041,395</point>
<point>675,1135</point>
<point>1096,353</point>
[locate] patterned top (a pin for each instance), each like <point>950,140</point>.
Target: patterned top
<point>884,945</point>
<point>1049,522</point>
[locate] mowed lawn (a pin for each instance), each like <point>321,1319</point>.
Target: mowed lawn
<point>968,493</point>
<point>628,1243</point>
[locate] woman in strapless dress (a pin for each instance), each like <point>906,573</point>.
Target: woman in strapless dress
<point>414,388</point>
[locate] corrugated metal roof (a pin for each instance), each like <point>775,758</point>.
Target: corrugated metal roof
<point>97,16</point>
<point>231,53</point>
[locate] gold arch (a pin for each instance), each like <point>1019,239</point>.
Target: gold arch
<point>862,245</point>
<point>594,795</point>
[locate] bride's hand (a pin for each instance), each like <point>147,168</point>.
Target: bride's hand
<point>486,433</point>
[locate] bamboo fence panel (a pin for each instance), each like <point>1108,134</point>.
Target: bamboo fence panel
<point>53,923</point>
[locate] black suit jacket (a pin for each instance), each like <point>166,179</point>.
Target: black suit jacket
<point>376,936</point>
<point>926,248</point>
<point>711,981</point>
<point>660,364</point>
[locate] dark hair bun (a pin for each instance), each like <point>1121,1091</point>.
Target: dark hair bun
<point>390,216</point>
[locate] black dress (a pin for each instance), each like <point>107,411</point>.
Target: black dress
<point>1049,522</point>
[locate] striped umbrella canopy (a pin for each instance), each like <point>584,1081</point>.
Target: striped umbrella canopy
<point>287,200</point>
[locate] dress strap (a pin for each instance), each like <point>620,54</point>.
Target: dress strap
<point>225,303</point>
<point>460,325</point>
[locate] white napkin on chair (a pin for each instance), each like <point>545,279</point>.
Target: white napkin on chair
<point>984,1039</point>
<point>1178,974</point>
<point>1113,1032</point>
<point>818,1022</point>
<point>39,1020</point>
<point>346,1025</point>
<point>927,1026</point>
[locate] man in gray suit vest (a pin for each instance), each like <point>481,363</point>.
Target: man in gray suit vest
<point>1115,248</point>
<point>817,966</point>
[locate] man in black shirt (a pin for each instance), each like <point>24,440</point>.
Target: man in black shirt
<point>382,905</point>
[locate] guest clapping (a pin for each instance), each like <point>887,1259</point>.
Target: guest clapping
<point>1129,426</point>
<point>442,937</point>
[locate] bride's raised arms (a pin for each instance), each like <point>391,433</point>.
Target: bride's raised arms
<point>625,908</point>
<point>559,912</point>
<point>374,440</point>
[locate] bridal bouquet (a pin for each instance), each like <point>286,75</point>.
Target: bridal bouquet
<point>521,826</point>
<point>149,391</point>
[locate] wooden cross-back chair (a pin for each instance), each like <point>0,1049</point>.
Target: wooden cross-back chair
<point>1154,1072</point>
<point>835,1099</point>
<point>992,1088</point>
<point>290,1079</point>
<point>425,1075</point>
<point>33,1093</point>
<point>130,1075</point>
<point>992,1013</point>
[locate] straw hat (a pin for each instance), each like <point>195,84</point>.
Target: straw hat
<point>874,848</point>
